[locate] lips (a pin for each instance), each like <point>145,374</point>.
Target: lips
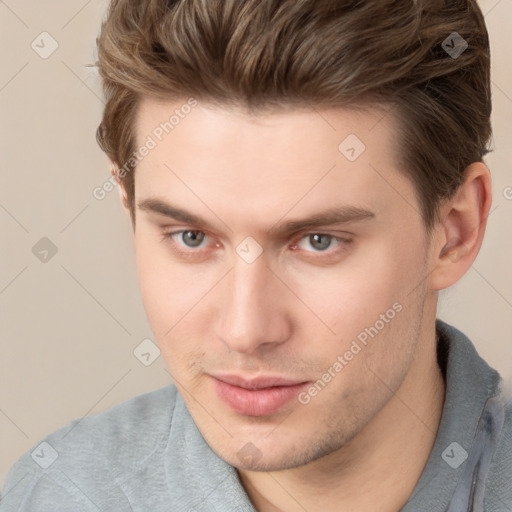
<point>259,396</point>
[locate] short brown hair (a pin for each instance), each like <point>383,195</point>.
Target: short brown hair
<point>269,54</point>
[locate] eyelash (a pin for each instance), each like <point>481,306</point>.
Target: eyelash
<point>193,253</point>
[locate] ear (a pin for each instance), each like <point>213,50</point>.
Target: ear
<point>459,234</point>
<point>122,192</point>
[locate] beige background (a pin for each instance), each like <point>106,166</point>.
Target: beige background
<point>69,326</point>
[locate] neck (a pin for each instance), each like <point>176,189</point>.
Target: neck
<point>377,469</point>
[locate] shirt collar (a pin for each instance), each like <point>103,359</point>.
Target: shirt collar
<point>470,382</point>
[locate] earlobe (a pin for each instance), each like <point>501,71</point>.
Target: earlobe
<point>459,235</point>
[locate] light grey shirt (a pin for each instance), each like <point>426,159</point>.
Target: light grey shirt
<point>146,454</point>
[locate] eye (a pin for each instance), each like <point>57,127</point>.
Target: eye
<point>321,242</point>
<point>190,243</point>
<point>188,237</point>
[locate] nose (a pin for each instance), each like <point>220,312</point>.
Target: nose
<point>252,309</point>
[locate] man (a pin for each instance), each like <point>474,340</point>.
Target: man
<point>303,178</point>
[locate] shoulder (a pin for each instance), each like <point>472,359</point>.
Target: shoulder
<point>120,436</point>
<point>93,450</point>
<point>499,478</point>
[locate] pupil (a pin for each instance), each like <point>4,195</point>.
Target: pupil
<point>196,237</point>
<point>321,246</point>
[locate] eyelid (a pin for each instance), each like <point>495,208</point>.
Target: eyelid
<point>337,236</point>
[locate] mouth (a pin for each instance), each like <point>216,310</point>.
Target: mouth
<point>259,396</point>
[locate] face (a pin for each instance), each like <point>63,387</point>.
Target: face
<point>282,269</point>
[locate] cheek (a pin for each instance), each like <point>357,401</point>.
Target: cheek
<point>369,310</point>
<point>153,280</point>
<point>352,295</point>
<point>163,287</point>
<point>172,295</point>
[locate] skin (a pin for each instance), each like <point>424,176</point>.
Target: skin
<point>300,304</point>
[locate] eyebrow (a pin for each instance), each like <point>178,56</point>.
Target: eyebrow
<point>330,216</point>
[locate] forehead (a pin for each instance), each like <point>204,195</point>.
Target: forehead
<point>268,162</point>
<point>320,127</point>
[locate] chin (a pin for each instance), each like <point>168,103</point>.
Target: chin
<point>273,456</point>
